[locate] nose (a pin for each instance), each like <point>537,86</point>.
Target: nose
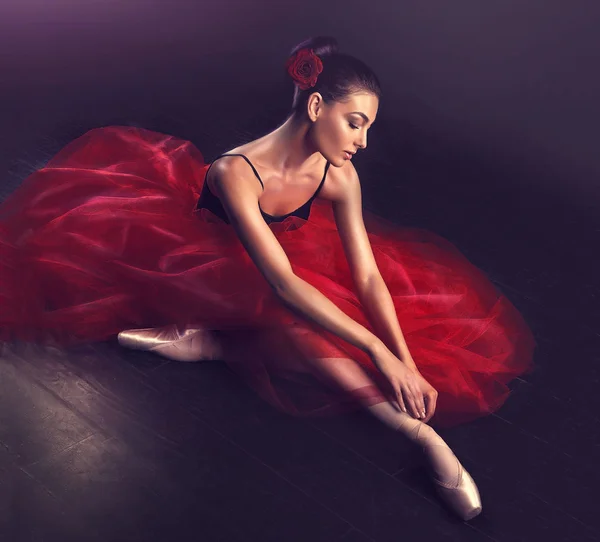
<point>362,142</point>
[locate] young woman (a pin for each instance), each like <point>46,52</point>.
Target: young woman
<point>264,259</point>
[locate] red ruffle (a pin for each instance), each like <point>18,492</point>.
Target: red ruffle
<point>106,238</point>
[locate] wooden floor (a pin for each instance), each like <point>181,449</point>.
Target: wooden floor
<point>99,443</point>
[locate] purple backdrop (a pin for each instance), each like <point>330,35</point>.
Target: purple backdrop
<point>516,80</point>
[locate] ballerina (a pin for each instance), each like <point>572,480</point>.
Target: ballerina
<point>264,259</point>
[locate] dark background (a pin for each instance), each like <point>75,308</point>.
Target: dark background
<point>490,118</point>
<point>487,134</point>
<point>513,81</point>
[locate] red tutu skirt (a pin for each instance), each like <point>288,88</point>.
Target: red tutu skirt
<point>106,237</point>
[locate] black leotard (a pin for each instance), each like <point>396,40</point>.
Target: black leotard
<point>209,201</point>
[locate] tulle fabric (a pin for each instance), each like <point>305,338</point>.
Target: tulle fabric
<point>106,237</point>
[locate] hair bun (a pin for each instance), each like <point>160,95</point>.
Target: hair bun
<point>321,45</point>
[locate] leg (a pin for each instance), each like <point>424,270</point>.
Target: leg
<point>453,482</point>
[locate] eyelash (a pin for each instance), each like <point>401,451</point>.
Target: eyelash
<point>353,126</point>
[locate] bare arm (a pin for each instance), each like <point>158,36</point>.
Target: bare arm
<point>238,190</point>
<point>369,285</point>
<point>380,310</point>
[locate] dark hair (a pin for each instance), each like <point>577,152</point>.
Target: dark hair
<point>342,74</point>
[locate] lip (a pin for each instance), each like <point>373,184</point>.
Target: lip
<point>349,155</point>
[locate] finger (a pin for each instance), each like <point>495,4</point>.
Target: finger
<point>402,404</point>
<point>400,400</point>
<point>410,400</point>
<point>428,413</point>
<point>418,399</point>
<point>431,401</point>
<point>423,406</point>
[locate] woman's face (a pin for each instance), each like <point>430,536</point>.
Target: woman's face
<point>340,128</point>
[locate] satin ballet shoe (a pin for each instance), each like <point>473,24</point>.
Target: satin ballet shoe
<point>461,496</point>
<point>453,483</point>
<point>193,344</point>
<point>147,338</point>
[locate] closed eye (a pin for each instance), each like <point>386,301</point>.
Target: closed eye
<point>354,127</point>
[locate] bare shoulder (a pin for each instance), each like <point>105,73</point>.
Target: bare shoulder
<point>238,189</point>
<point>341,183</point>
<point>232,173</point>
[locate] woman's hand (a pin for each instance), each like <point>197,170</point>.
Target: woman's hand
<point>403,380</point>
<point>429,393</point>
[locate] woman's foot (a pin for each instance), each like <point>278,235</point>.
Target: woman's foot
<point>453,483</point>
<point>190,344</point>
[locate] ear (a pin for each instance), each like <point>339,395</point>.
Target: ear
<point>314,106</point>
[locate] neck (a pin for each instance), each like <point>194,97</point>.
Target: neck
<point>291,145</point>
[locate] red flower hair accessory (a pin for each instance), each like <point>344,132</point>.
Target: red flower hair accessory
<point>304,68</point>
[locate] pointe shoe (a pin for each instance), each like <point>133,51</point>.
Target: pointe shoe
<point>463,496</point>
<point>148,338</point>
<point>194,344</point>
<point>452,482</point>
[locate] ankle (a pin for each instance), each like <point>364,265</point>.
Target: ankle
<point>425,436</point>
